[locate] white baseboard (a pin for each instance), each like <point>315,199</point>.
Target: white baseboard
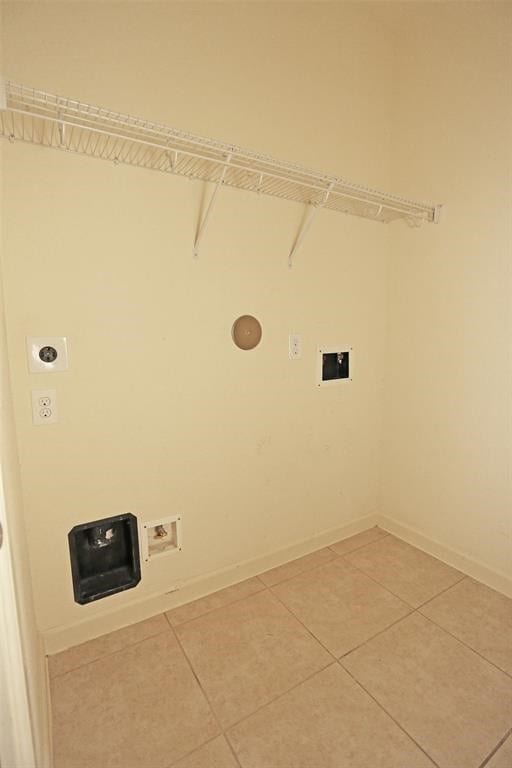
<point>471,567</point>
<point>59,638</point>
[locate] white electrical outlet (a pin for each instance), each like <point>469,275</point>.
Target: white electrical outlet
<point>294,346</point>
<point>44,406</point>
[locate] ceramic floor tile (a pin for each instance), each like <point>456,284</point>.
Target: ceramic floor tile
<point>249,652</point>
<point>139,707</point>
<point>359,540</point>
<point>503,757</point>
<point>294,567</point>
<point>216,600</point>
<point>478,616</point>
<point>409,573</point>
<point>341,606</point>
<point>452,702</point>
<point>326,722</point>
<point>215,754</point>
<point>106,644</point>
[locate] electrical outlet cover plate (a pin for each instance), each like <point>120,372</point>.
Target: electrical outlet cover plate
<point>47,354</point>
<point>44,406</point>
<point>294,346</point>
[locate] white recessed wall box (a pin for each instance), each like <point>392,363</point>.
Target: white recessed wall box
<point>47,354</point>
<point>334,365</point>
<point>161,537</point>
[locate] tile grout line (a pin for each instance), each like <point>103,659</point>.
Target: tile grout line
<point>337,556</point>
<point>413,607</point>
<point>401,727</point>
<point>228,742</point>
<point>356,549</point>
<point>380,632</point>
<point>495,749</point>
<point>375,581</point>
<point>277,697</point>
<point>442,592</point>
<point>217,608</point>
<point>207,699</point>
<point>289,610</point>
<point>192,751</point>
<point>306,570</point>
<point>466,645</point>
<point>105,655</point>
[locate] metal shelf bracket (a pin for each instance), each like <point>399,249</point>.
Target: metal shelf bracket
<point>307,222</point>
<point>203,223</point>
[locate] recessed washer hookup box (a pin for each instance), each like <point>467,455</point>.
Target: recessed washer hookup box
<point>104,557</point>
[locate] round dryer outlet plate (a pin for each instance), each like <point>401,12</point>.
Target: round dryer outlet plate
<point>47,354</point>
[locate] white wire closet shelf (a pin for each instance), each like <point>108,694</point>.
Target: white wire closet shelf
<point>58,122</point>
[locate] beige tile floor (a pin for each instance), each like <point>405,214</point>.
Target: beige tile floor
<point>365,654</point>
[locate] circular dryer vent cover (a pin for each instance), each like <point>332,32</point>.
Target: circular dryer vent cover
<point>246,332</point>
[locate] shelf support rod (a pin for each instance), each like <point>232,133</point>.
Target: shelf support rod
<point>204,222</point>
<point>3,94</point>
<point>312,213</point>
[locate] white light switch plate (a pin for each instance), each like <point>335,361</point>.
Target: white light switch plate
<point>44,406</point>
<point>47,354</point>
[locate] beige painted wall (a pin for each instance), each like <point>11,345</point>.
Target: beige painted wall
<point>34,660</point>
<point>159,412</point>
<point>447,452</point>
